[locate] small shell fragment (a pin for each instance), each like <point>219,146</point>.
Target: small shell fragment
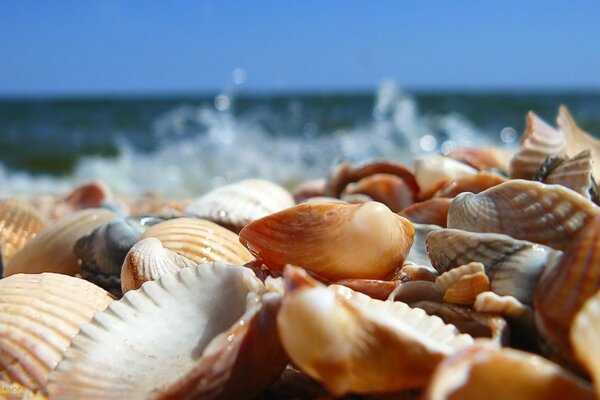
<point>462,285</point>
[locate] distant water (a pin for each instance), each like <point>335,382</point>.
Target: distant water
<point>183,146</point>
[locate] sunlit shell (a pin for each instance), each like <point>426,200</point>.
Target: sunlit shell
<point>472,183</point>
<point>585,339</point>
<point>336,241</point>
<point>539,141</point>
<point>432,212</point>
<point>418,250</point>
<point>512,265</point>
<point>39,316</point>
<point>193,334</point>
<point>578,140</point>
<point>486,371</point>
<point>527,210</point>
<point>308,189</point>
<point>86,195</point>
<point>237,204</point>
<point>352,343</point>
<point>483,158</point>
<point>574,173</point>
<point>200,240</point>
<point>19,222</point>
<point>388,189</point>
<point>148,260</point>
<point>432,172</point>
<point>52,249</point>
<point>490,302</point>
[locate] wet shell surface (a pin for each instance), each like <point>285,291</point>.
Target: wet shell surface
<point>52,249</point>
<point>39,316</point>
<point>388,189</point>
<point>19,222</point>
<point>432,212</point>
<point>333,240</point>
<point>585,339</point>
<point>432,172</point>
<point>352,343</point>
<point>574,173</point>
<point>237,204</point>
<point>193,334</point>
<point>578,140</point>
<point>527,210</point>
<point>200,240</point>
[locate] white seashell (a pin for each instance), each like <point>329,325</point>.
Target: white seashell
<point>433,171</point>
<point>491,303</point>
<point>578,140</point>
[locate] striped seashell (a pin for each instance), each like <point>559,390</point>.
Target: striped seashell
<point>193,334</point>
<point>39,316</point>
<point>527,210</point>
<point>574,173</point>
<point>352,343</point>
<point>52,249</point>
<point>539,141</point>
<point>483,158</point>
<point>434,171</point>
<point>236,205</point>
<point>200,241</point>
<point>472,183</point>
<point>585,340</point>
<point>19,222</point>
<point>578,140</point>
<point>388,189</point>
<point>431,212</point>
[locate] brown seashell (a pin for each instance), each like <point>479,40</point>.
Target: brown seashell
<point>39,316</point>
<point>308,189</point>
<point>413,272</point>
<point>472,183</point>
<point>432,172</point>
<point>388,189</point>
<point>414,291</point>
<point>485,371</point>
<point>584,338</point>
<point>87,195</point>
<point>539,141</point>
<point>432,212</point>
<point>336,241</point>
<point>578,140</point>
<point>574,173</point>
<point>52,249</point>
<point>483,158</point>
<point>199,240</point>
<point>237,204</point>
<point>19,222</point>
<point>527,210</point>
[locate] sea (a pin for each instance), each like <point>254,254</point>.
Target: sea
<point>185,145</point>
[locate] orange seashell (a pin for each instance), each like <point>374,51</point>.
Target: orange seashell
<point>472,183</point>
<point>578,140</point>
<point>432,212</point>
<point>388,189</point>
<point>483,158</point>
<point>466,288</point>
<point>19,222</point>
<point>374,288</point>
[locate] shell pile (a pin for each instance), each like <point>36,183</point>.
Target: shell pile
<point>470,275</point>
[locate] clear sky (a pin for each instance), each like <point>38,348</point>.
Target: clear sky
<point>66,47</point>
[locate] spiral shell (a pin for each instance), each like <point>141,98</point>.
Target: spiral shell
<point>19,222</point>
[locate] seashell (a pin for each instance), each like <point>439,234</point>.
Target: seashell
<point>418,251</point>
<point>87,195</point>
<point>335,241</point>
<point>19,222</point>
<point>13,391</point>
<point>345,173</point>
<point>148,260</point>
<point>388,189</point>
<point>39,316</point>
<point>539,141</point>
<point>103,251</point>
<point>374,288</point>
<point>325,199</point>
<point>308,189</point>
<point>200,240</point>
<point>413,272</point>
<point>352,343</point>
<point>461,285</point>
<point>483,158</point>
<point>154,204</point>
<point>431,212</point>
<point>355,198</point>
<point>578,140</point>
<point>584,338</point>
<point>545,214</point>
<point>52,249</point>
<point>472,183</point>
<point>444,281</point>
<point>486,371</point>
<point>236,205</point>
<point>415,291</point>
<point>432,172</point>
<point>574,173</point>
<point>565,286</point>
<point>193,334</point>
<point>513,266</point>
<point>491,303</point>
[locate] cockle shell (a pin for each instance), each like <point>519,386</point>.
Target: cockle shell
<point>237,204</point>
<point>39,316</point>
<point>388,189</point>
<point>472,183</point>
<point>431,172</point>
<point>486,371</point>
<point>19,222</point>
<point>87,195</point>
<point>432,212</point>
<point>585,339</point>
<point>334,240</point>
<point>483,158</point>
<point>527,210</point>
<point>574,173</point>
<point>200,241</point>
<point>461,285</point>
<point>52,249</point>
<point>539,141</point>
<point>578,140</point>
<point>352,343</point>
<point>147,261</point>
<point>203,332</point>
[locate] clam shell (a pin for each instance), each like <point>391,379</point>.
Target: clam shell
<point>335,241</point>
<point>147,261</point>
<point>483,158</point>
<point>574,173</point>
<point>236,205</point>
<point>578,140</point>
<point>585,340</point>
<point>352,343</point>
<point>539,141</point>
<point>472,183</point>
<point>545,214</point>
<point>388,189</point>
<point>193,334</point>
<point>39,316</point>
<point>19,222</point>
<point>200,241</point>
<point>431,212</point>
<point>431,172</point>
<point>52,249</point>
<point>86,195</point>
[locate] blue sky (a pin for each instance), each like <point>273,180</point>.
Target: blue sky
<point>79,47</point>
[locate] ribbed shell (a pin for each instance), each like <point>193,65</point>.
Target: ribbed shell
<point>574,173</point>
<point>578,140</point>
<point>200,240</point>
<point>39,316</point>
<point>431,172</point>
<point>585,339</point>
<point>19,222</point>
<point>527,210</point>
<point>388,189</point>
<point>448,278</point>
<point>431,212</point>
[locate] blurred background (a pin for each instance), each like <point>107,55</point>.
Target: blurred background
<point>180,97</point>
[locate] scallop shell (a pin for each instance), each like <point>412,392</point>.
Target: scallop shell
<point>236,205</point>
<point>193,334</point>
<point>52,249</point>
<point>539,141</point>
<point>39,316</point>
<point>388,189</point>
<point>527,210</point>
<point>578,140</point>
<point>584,338</point>
<point>200,241</point>
<point>432,212</point>
<point>86,195</point>
<point>19,222</point>
<point>352,343</point>
<point>483,158</point>
<point>472,183</point>
<point>147,261</point>
<point>14,391</point>
<point>574,173</point>
<point>431,172</point>
<point>485,371</point>
<point>335,241</point>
